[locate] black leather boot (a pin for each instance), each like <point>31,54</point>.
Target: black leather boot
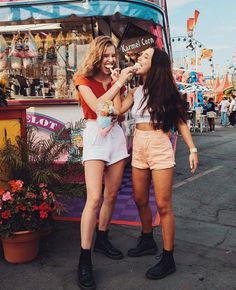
<point>104,246</point>
<point>85,271</point>
<point>146,246</point>
<point>165,267</point>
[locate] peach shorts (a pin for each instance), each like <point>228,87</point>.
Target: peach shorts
<point>152,149</point>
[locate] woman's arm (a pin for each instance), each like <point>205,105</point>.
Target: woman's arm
<point>90,98</point>
<point>193,157</point>
<point>123,105</point>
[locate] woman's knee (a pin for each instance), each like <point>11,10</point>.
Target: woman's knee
<point>165,208</point>
<point>110,197</point>
<point>93,202</point>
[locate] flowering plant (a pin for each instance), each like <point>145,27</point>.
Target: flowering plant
<point>25,209</point>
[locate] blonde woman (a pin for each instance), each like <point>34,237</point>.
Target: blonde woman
<point>103,156</point>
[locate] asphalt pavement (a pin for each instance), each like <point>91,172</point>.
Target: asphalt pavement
<point>205,244</point>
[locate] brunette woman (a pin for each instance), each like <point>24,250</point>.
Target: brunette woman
<point>157,107</point>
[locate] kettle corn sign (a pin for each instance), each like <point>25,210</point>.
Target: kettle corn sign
<point>135,39</point>
<point>137,44</point>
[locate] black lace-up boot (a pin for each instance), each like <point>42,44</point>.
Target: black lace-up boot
<point>165,267</point>
<point>85,271</point>
<point>146,246</point>
<point>104,246</point>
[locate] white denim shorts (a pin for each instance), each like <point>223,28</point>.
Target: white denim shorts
<point>111,148</point>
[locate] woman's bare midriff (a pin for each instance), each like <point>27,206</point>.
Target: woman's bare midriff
<point>149,127</point>
<point>145,127</point>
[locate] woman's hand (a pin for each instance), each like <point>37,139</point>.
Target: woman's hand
<point>115,74</point>
<point>193,161</point>
<point>126,74</point>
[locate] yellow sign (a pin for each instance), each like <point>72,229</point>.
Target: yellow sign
<point>207,53</point>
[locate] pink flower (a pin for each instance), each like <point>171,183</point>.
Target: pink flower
<point>51,194</point>
<point>45,195</point>
<point>42,185</point>
<point>7,196</point>
<point>31,194</point>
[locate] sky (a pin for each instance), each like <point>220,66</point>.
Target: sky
<point>215,29</point>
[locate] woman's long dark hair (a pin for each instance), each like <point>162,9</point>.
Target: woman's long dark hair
<point>164,102</point>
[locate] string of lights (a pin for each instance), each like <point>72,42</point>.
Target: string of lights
<point>193,44</point>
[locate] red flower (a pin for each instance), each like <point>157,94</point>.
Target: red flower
<point>1,191</point>
<point>6,214</point>
<point>44,206</point>
<point>43,214</point>
<point>22,207</point>
<point>35,207</point>
<point>16,185</point>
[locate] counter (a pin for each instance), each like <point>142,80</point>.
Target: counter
<point>49,114</point>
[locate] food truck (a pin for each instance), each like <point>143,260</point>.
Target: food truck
<point>42,44</point>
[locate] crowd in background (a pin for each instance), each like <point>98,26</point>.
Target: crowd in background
<point>225,110</point>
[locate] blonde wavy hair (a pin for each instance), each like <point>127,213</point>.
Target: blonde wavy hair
<point>92,61</point>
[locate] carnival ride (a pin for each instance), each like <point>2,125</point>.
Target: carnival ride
<point>190,59</point>
<point>188,54</point>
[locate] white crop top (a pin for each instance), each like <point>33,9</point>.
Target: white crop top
<point>136,110</point>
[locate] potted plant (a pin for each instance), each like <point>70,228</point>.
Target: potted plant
<point>24,213</point>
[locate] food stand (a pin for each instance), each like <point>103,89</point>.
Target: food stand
<point>42,44</point>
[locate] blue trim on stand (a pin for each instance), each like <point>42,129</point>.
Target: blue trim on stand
<point>55,9</point>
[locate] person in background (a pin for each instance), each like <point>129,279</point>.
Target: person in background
<point>185,102</point>
<point>211,114</point>
<point>232,110</point>
<point>103,156</point>
<point>224,109</point>
<point>157,107</point>
<point>204,106</point>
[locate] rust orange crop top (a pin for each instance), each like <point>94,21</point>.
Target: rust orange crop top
<point>98,91</point>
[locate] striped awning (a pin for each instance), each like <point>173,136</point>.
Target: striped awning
<point>16,10</point>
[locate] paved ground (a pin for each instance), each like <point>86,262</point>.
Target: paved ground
<point>205,247</point>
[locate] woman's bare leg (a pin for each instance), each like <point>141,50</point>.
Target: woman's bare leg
<point>141,183</point>
<point>94,170</point>
<point>113,179</point>
<point>162,182</point>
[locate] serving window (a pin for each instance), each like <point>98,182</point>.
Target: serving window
<point>40,62</point>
